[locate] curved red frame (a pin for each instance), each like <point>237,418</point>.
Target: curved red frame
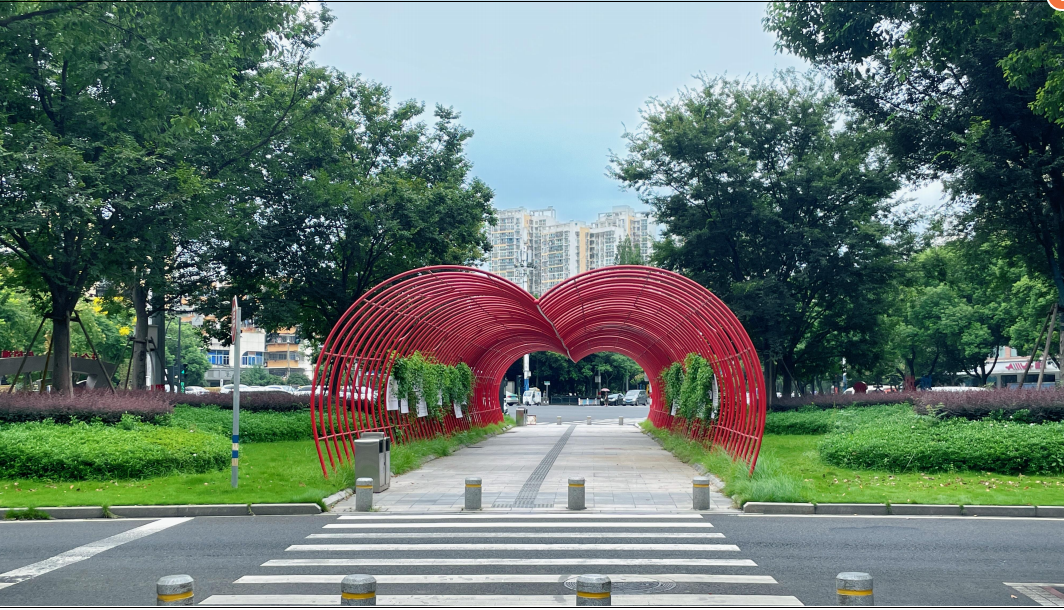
<point>462,314</point>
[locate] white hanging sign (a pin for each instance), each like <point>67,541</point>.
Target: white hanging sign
<point>458,410</point>
<point>422,408</point>
<point>393,395</point>
<point>675,405</point>
<point>404,405</point>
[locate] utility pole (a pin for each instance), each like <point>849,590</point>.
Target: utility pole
<point>236,394</point>
<point>180,368</point>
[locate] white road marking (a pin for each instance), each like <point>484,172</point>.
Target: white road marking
<point>522,516</point>
<point>510,561</point>
<point>516,524</point>
<point>84,552</point>
<point>477,546</point>
<point>259,579</point>
<point>489,535</point>
<point>506,600</point>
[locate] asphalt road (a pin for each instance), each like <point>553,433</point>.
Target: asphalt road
<point>915,561</point>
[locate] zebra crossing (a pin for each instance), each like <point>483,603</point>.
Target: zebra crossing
<point>512,559</point>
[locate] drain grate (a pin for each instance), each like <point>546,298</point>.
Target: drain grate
<point>526,498</point>
<point>633,585</point>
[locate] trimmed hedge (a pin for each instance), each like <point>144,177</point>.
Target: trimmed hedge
<point>85,406</point>
<point>808,420</point>
<point>249,401</point>
<point>262,427</point>
<point>897,440</point>
<point>839,401</point>
<point>1022,406</point>
<point>131,450</point>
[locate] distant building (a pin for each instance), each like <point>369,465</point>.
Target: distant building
<point>1008,369</point>
<point>536,251</point>
<point>281,353</point>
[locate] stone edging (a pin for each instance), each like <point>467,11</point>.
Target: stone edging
<point>955,510</point>
<point>175,510</point>
<point>344,494</point>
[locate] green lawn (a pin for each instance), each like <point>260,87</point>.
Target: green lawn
<point>284,471</point>
<point>790,470</point>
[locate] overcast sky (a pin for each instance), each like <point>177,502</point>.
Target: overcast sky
<point>550,88</point>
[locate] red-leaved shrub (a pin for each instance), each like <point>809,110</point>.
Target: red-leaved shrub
<point>1041,405</point>
<point>86,405</point>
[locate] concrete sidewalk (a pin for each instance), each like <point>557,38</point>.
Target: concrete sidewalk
<point>624,470</point>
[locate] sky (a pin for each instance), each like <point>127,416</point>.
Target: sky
<point>549,89</point>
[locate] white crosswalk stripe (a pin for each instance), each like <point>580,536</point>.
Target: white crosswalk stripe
<point>450,560</point>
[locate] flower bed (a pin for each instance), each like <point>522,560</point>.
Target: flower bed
<point>83,406</point>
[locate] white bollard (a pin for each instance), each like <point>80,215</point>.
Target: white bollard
<point>559,420</point>
<point>589,420</point>
<point>576,493</point>
<point>854,589</point>
<point>358,590</point>
<point>174,590</point>
<point>620,421</point>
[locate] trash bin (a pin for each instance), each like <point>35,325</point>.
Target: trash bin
<point>519,416</point>
<point>373,456</point>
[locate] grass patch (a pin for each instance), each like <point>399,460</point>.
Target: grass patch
<point>27,514</point>
<point>286,471</point>
<point>770,482</point>
<point>410,455</point>
<point>789,469</point>
<point>807,420</point>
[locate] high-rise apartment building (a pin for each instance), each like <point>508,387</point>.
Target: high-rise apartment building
<point>536,251</point>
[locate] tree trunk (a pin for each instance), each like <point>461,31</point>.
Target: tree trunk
<point>62,377</point>
<point>788,381</point>
<point>140,337</point>
<point>770,381</point>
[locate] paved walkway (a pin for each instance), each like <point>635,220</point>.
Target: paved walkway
<point>527,469</point>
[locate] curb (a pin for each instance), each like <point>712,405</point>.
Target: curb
<point>952,510</point>
<point>176,510</point>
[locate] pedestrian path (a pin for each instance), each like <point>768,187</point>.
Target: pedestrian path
<point>502,559</point>
<point>528,468</point>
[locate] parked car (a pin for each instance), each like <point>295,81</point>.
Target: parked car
<point>511,399</point>
<point>303,390</point>
<point>614,399</point>
<point>636,397</point>
<point>281,388</point>
<point>195,389</point>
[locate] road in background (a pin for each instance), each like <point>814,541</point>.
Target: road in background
<point>547,414</point>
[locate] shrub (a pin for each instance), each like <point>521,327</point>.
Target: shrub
<point>249,401</point>
<point>83,406</point>
<point>838,401</point>
<point>899,440</point>
<point>45,450</point>
<point>807,420</point>
<point>1016,405</point>
<point>260,427</point>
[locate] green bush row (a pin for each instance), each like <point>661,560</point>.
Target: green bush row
<point>804,421</point>
<point>131,450</point>
<point>897,440</point>
<point>260,427</point>
<point>420,377</point>
<point>689,386</point>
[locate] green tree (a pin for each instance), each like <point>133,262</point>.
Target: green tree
<point>629,253</point>
<point>193,353</point>
<point>778,199</point>
<point>97,101</point>
<point>968,91</point>
<point>342,203</point>
<point>257,376</point>
<point>297,379</point>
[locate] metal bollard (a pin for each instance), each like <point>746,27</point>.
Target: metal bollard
<point>854,589</point>
<point>620,421</point>
<point>358,590</point>
<point>174,590</point>
<point>700,493</point>
<point>589,420</point>
<point>364,494</point>
<point>576,493</point>
<point>593,590</point>
<point>559,420</point>
<point>472,493</point>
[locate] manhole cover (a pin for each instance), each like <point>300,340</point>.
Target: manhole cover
<point>633,585</point>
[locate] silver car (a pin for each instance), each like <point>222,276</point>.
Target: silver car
<point>636,397</point>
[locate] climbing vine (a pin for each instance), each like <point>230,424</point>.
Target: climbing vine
<point>440,386</point>
<point>689,386</point>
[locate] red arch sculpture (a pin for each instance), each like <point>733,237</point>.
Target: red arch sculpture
<point>462,314</point>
